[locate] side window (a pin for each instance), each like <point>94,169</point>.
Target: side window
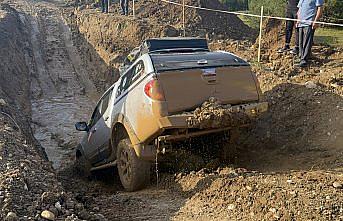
<point>95,116</point>
<point>100,109</point>
<point>129,77</point>
<point>125,82</point>
<point>138,70</point>
<point>105,101</point>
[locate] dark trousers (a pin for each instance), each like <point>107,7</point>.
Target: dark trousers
<point>104,6</point>
<point>124,4</point>
<point>291,13</point>
<point>305,42</point>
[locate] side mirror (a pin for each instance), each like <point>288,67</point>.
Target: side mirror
<point>81,126</point>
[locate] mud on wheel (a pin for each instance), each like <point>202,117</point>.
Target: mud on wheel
<point>82,165</point>
<point>134,173</point>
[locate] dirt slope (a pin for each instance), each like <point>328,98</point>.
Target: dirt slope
<point>28,184</point>
<point>113,36</point>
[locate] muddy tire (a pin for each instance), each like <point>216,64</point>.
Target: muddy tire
<point>134,173</point>
<point>82,165</point>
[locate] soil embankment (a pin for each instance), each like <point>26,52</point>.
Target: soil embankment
<point>29,188</point>
<point>114,36</point>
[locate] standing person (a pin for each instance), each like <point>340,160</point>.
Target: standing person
<point>104,6</point>
<point>309,13</point>
<point>291,12</point>
<point>124,4</point>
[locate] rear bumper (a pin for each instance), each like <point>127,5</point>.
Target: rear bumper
<point>187,120</point>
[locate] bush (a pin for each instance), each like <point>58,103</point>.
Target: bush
<point>333,8</point>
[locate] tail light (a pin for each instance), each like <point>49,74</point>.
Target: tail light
<point>154,90</point>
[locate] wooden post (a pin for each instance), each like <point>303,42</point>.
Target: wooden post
<point>260,37</point>
<point>183,18</point>
<point>133,8</point>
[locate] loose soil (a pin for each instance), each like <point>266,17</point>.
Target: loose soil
<point>288,164</point>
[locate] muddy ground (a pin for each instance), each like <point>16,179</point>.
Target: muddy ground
<point>57,58</point>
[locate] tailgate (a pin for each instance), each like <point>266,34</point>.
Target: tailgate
<point>187,89</point>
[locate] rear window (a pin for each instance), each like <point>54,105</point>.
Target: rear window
<point>168,62</point>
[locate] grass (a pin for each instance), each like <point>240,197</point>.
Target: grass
<point>252,22</point>
<point>329,36</point>
<point>324,35</point>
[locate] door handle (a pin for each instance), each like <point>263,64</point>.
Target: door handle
<point>106,118</point>
<point>94,130</point>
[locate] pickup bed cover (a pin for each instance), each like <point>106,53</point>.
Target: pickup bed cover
<point>176,61</point>
<point>153,45</point>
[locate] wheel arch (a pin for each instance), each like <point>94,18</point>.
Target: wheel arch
<point>122,129</point>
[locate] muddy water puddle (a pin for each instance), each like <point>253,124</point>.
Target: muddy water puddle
<point>53,124</point>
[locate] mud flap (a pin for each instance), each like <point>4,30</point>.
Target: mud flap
<point>145,152</point>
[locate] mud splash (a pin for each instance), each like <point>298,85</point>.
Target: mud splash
<point>212,114</point>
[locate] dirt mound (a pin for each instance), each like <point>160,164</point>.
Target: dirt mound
<point>237,194</point>
<point>201,23</point>
<point>302,128</point>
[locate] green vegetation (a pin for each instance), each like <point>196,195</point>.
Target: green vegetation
<point>236,5</point>
<point>330,36</point>
<point>332,10</point>
<point>252,22</point>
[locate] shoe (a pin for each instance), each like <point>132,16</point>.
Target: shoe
<point>294,51</point>
<point>122,13</point>
<point>283,50</point>
<point>302,64</point>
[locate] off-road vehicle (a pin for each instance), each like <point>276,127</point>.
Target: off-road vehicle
<point>171,89</point>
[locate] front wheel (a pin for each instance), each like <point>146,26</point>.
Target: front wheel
<point>82,165</point>
<point>134,173</point>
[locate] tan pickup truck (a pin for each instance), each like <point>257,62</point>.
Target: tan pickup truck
<point>174,88</point>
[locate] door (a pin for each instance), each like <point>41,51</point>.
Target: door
<point>99,133</point>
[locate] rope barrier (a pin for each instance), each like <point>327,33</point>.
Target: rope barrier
<point>251,15</point>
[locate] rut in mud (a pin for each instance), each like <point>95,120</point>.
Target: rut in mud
<point>61,90</point>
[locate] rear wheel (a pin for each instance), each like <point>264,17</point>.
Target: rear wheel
<point>134,173</point>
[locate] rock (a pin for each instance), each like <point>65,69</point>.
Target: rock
<point>46,214</point>
<point>310,84</point>
<point>70,204</point>
<point>231,206</point>
<point>337,185</point>
<point>100,217</point>
<point>273,210</point>
<point>11,216</point>
<point>96,209</point>
<point>290,181</point>
<point>84,215</point>
<point>79,207</point>
<point>2,102</point>
<point>249,188</point>
<point>169,31</point>
<point>53,210</point>
<point>58,206</point>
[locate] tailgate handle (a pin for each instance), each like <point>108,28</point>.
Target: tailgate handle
<point>202,62</point>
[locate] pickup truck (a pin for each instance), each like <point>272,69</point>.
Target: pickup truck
<point>172,89</point>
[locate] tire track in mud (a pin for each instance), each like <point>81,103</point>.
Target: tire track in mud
<point>61,91</point>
